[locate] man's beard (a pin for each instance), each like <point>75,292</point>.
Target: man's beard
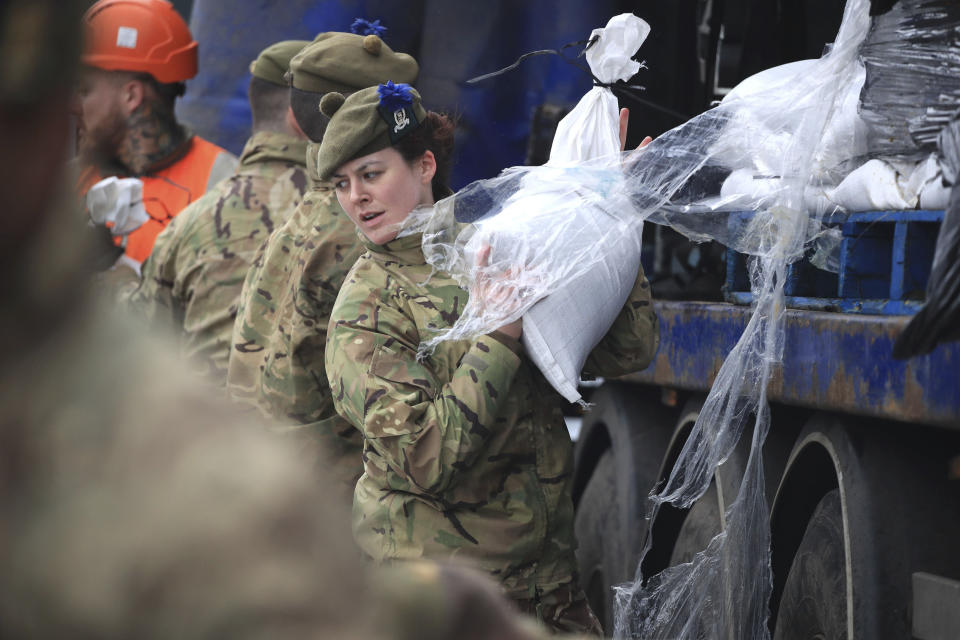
<point>132,144</point>
<point>100,146</point>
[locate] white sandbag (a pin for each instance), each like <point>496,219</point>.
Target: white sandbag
<point>879,185</point>
<point>766,127</point>
<point>563,326</point>
<point>541,238</point>
<point>560,330</point>
<point>744,190</point>
<point>935,195</point>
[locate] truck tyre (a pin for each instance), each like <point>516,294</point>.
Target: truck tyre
<point>597,528</point>
<point>895,514</point>
<point>814,602</point>
<point>618,455</point>
<point>702,523</point>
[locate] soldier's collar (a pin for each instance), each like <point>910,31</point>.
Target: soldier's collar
<point>271,146</point>
<point>406,249</point>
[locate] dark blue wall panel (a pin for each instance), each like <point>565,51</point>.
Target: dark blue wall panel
<point>453,40</point>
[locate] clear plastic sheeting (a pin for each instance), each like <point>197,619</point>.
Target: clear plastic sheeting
<point>515,239</point>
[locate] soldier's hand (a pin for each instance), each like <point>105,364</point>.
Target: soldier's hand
<point>624,120</point>
<point>497,293</point>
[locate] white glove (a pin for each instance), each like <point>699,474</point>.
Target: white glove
<point>119,201</point>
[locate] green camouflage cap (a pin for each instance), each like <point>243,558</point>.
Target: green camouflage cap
<point>369,120</point>
<point>274,61</point>
<point>39,48</point>
<point>347,62</point>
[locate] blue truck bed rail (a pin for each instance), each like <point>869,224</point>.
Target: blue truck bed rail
<point>831,361</point>
<point>885,259</point>
<point>840,328</point>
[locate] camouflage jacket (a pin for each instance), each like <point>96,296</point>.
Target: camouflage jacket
<point>112,456</point>
<point>465,452</point>
<point>276,360</point>
<point>192,280</point>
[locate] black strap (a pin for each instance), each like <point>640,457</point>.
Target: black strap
<point>540,52</point>
<point>620,86</point>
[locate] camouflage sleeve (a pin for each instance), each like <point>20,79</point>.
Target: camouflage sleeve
<point>155,300</point>
<point>632,341</point>
<point>422,426</point>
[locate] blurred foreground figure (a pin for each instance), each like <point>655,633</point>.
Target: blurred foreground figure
<point>137,55</point>
<point>131,504</point>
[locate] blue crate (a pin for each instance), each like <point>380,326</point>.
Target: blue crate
<point>885,260</point>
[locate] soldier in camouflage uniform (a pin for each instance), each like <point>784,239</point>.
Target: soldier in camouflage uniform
<point>466,452</point>
<point>192,280</point>
<point>278,342</point>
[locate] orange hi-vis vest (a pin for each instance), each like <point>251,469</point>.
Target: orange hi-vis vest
<point>166,193</point>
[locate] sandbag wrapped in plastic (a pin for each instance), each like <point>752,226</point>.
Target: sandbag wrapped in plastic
<point>770,126</point>
<point>567,212</point>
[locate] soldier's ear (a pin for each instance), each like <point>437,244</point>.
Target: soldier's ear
<point>427,164</point>
<point>291,120</point>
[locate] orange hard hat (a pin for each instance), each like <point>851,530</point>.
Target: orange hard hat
<point>139,35</point>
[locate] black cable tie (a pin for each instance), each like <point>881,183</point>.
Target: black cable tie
<point>618,86</point>
<point>540,52</point>
<point>513,66</point>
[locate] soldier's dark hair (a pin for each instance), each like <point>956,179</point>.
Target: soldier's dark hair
<point>436,135</point>
<point>268,105</point>
<point>306,111</point>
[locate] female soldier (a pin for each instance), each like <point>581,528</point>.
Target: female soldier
<point>466,453</point>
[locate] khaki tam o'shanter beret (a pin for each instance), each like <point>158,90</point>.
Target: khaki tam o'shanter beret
<point>348,62</point>
<point>366,122</point>
<point>274,61</point>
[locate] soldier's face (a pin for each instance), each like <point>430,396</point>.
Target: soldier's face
<point>101,120</point>
<point>378,191</point>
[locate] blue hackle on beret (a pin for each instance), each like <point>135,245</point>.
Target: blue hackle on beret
<point>366,28</point>
<point>395,96</point>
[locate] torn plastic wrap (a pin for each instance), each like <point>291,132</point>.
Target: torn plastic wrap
<point>724,592</point>
<point>912,88</point>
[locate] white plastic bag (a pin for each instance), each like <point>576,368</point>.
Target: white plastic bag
<point>118,201</point>
<point>591,129</point>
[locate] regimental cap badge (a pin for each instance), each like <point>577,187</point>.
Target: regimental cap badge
<point>396,109</point>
